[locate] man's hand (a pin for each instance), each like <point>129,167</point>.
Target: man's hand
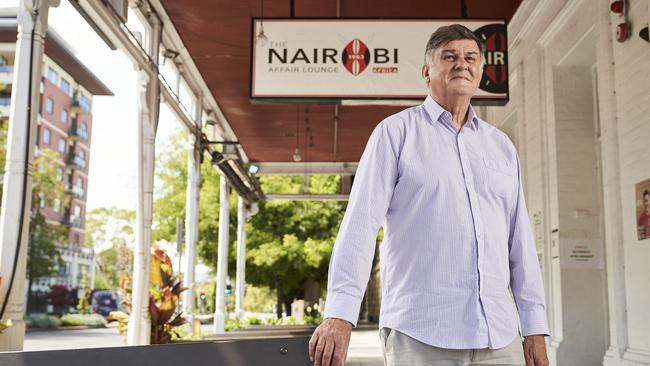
<point>329,343</point>
<point>535,350</point>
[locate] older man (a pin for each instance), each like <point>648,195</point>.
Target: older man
<point>446,186</point>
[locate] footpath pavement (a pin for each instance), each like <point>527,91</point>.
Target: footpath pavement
<point>365,346</point>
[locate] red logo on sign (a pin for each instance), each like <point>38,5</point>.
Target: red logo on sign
<point>356,56</point>
<point>495,74</point>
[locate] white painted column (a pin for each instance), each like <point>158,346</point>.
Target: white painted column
<point>93,262</point>
<point>551,216</point>
<point>240,286</point>
<point>139,328</point>
<point>191,225</point>
<point>74,268</point>
<point>17,183</point>
<point>222,258</point>
<point>611,193</point>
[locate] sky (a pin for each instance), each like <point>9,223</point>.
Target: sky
<point>112,177</point>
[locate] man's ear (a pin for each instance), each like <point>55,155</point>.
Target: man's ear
<point>425,72</point>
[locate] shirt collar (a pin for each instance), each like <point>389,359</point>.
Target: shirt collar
<point>437,113</point>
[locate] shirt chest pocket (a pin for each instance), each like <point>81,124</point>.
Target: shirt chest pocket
<point>501,177</point>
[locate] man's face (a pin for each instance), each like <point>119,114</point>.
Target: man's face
<point>454,69</point>
<point>646,202</point>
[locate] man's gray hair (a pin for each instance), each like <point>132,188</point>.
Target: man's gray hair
<point>448,33</point>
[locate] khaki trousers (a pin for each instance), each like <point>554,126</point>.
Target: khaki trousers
<point>402,350</point>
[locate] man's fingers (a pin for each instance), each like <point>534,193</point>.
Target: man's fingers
<point>339,355</point>
<point>320,345</point>
<point>312,346</point>
<point>541,361</point>
<point>327,353</point>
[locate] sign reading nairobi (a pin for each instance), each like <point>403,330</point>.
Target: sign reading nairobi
<point>362,58</point>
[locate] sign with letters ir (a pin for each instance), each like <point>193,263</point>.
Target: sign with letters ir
<point>334,59</point>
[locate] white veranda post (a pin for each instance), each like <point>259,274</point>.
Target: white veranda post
<point>17,183</point>
<point>222,258</point>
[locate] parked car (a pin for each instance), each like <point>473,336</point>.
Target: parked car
<point>104,301</point>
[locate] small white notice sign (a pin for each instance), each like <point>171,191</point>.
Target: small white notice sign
<point>581,253</point>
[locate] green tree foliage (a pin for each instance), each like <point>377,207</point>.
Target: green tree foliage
<point>171,192</point>
<point>288,242</point>
<point>47,180</point>
<point>106,226</point>
<point>111,229</point>
<point>114,263</point>
<point>43,257</point>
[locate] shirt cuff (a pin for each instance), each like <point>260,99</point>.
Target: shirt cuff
<point>342,306</point>
<point>533,322</point>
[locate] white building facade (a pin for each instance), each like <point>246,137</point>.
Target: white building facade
<point>579,115</point>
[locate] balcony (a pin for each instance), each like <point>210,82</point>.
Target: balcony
<point>78,134</point>
<point>71,220</point>
<point>80,103</point>
<point>74,190</point>
<point>76,161</point>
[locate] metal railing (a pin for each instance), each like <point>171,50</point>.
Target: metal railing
<point>80,102</point>
<point>78,133</point>
<point>76,160</point>
<point>74,190</point>
<point>71,220</point>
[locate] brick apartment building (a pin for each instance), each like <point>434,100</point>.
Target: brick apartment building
<point>65,126</point>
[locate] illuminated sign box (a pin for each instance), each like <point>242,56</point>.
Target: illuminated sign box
<point>381,59</point>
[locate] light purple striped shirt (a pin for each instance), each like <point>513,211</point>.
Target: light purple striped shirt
<point>456,234</point>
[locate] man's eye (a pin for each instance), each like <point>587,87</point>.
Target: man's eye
<point>449,57</point>
<point>470,59</point>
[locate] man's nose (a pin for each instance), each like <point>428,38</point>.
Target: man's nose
<point>462,64</point>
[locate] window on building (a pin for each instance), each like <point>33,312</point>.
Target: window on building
<point>77,211</point>
<point>84,103</point>
<point>49,105</point>
<point>59,173</point>
<point>47,136</point>
<point>41,199</point>
<point>57,205</point>
<point>64,116</point>
<point>62,145</point>
<point>80,182</point>
<point>53,76</point>
<point>82,154</point>
<point>65,86</point>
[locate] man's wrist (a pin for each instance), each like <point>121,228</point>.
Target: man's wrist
<point>342,320</point>
<point>535,336</point>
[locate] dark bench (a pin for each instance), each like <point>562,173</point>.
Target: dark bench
<point>291,350</point>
